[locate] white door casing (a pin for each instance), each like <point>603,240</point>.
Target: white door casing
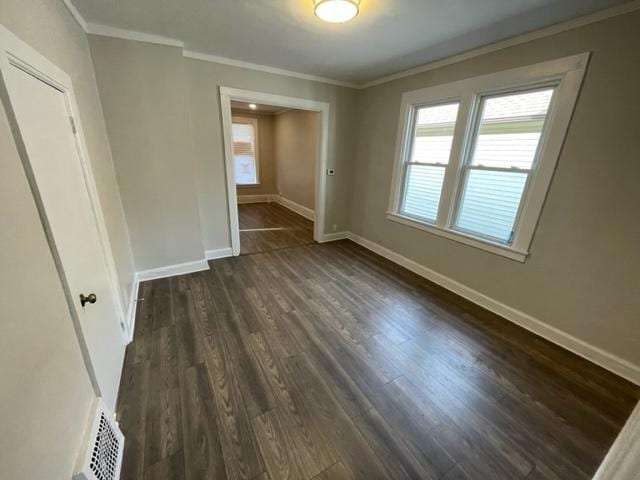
<point>40,106</point>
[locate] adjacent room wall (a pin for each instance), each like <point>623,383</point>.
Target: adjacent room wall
<point>266,155</point>
<point>45,391</point>
<point>143,88</point>
<point>297,143</point>
<point>582,275</point>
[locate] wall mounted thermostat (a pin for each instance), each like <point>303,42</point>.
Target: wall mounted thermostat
<point>331,171</point>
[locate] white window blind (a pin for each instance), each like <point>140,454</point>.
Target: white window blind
<point>428,159</point>
<point>496,173</point>
<point>244,153</point>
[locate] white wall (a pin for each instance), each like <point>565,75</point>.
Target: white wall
<point>45,392</point>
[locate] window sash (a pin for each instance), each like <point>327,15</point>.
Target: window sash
<point>237,120</point>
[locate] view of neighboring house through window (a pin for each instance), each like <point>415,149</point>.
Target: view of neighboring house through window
<point>430,150</point>
<point>245,151</point>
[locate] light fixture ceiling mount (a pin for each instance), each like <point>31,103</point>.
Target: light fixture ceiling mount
<point>336,11</point>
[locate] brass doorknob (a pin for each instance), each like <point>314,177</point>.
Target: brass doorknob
<point>91,298</point>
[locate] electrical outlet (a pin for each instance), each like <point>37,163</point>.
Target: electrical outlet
<point>331,172</point>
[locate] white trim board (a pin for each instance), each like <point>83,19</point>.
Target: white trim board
<point>258,198</point>
<point>294,207</point>
<point>219,253</point>
<point>623,459</point>
<point>105,30</point>
<point>133,307</point>
<point>172,270</point>
<point>227,95</point>
<point>594,354</point>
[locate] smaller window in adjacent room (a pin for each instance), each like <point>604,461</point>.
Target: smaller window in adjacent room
<point>245,150</point>
<point>474,158</point>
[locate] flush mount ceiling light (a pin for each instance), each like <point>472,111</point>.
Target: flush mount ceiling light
<point>336,11</point>
<point>253,106</point>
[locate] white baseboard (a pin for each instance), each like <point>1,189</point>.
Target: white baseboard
<point>332,237</point>
<point>294,207</point>
<point>218,253</point>
<point>623,459</point>
<point>173,270</point>
<point>133,307</point>
<point>262,198</point>
<point>594,354</point>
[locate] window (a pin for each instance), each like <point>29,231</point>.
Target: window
<point>475,158</point>
<point>245,150</point>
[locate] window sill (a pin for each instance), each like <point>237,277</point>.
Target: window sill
<point>495,248</point>
<point>240,185</point>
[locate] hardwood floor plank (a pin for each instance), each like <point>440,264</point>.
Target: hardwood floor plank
<point>239,445</point>
<point>163,434</point>
<point>335,472</point>
<point>281,459</point>
<point>386,443</point>
<point>170,468</point>
<point>202,450</point>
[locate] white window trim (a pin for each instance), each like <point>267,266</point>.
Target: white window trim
<point>566,74</point>
<point>254,122</point>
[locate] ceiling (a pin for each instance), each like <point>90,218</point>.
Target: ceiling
<point>388,36</point>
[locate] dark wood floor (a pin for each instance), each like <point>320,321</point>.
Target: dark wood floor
<point>269,226</point>
<point>329,362</point>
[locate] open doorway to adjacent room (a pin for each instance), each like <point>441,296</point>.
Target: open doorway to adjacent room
<point>276,155</point>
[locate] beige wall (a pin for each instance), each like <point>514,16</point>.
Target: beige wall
<point>266,155</point>
<point>155,163</point>
<point>143,89</point>
<point>45,391</point>
<point>297,136</point>
<point>583,273</point>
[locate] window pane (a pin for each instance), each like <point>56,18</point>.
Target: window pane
<point>422,195</point>
<point>510,128</point>
<point>490,203</point>
<point>244,153</point>
<point>434,133</point>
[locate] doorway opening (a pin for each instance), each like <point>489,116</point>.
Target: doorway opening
<point>275,157</point>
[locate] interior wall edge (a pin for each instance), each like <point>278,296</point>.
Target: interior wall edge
<point>622,462</point>
<point>600,357</point>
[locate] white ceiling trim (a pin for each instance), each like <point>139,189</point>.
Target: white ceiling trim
<point>104,30</point>
<point>76,14</point>
<point>264,68</point>
<point>510,42</point>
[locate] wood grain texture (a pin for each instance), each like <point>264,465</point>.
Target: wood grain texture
<point>269,226</point>
<point>328,362</point>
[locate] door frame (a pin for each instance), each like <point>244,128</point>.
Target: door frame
<point>14,53</point>
<point>227,95</point>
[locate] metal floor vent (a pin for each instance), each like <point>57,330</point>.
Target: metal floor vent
<point>101,458</point>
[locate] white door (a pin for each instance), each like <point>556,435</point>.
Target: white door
<point>42,115</point>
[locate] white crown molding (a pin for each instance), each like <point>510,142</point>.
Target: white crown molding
<point>513,41</point>
<point>105,30</point>
<point>592,353</point>
<point>264,68</point>
<point>76,14</point>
